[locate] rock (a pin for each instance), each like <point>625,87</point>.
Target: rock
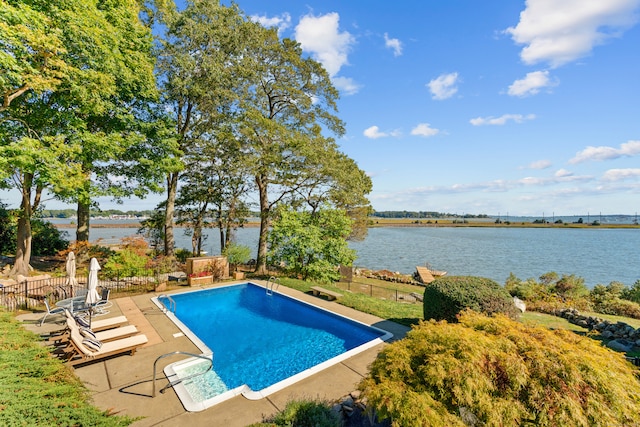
<point>620,345</point>
<point>607,334</point>
<point>520,305</point>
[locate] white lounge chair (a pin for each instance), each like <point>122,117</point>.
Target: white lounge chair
<point>81,353</point>
<point>55,310</point>
<point>106,335</point>
<point>103,324</point>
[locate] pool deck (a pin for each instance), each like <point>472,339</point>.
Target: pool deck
<point>123,384</point>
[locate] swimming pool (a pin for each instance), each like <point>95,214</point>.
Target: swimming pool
<point>262,343</point>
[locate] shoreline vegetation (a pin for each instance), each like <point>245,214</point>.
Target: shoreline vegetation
<point>410,222</point>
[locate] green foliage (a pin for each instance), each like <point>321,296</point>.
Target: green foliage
<point>47,239</point>
<point>447,296</point>
<point>237,254</point>
<point>632,293</point>
<point>553,292</point>
<point>494,371</point>
<point>311,245</point>
<point>305,413</point>
<point>8,226</point>
<point>131,260</point>
<point>182,254</point>
<point>37,389</point>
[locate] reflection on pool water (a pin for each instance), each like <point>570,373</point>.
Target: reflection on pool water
<point>262,343</point>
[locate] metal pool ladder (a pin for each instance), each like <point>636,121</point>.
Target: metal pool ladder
<point>272,284</point>
<point>176,382</point>
<point>172,303</point>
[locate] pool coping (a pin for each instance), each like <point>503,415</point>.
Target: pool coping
<point>123,384</point>
<point>194,406</point>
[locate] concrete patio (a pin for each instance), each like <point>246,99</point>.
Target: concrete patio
<point>123,384</point>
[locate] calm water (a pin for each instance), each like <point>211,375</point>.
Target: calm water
<point>253,331</point>
<point>598,255</point>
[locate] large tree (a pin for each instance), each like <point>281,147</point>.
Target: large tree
<point>288,108</point>
<point>68,126</point>
<point>200,60</point>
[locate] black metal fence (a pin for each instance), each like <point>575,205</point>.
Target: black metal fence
<point>380,292</point>
<point>30,292</point>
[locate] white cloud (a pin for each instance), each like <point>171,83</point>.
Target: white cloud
<point>424,129</point>
<point>558,32</point>
<point>346,85</point>
<point>444,86</point>
<point>563,173</point>
<point>621,174</point>
<point>518,118</point>
<point>373,132</point>
<point>393,44</point>
<point>281,22</point>
<point>321,36</point>
<point>538,165</point>
<point>531,84</point>
<point>628,149</point>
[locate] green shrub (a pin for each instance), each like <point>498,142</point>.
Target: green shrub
<point>494,371</point>
<point>132,260</point>
<point>182,254</point>
<point>305,413</point>
<point>447,296</point>
<point>237,254</point>
<point>619,307</point>
<point>46,238</point>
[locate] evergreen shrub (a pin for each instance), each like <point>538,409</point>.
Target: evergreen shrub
<point>447,296</point>
<point>494,371</point>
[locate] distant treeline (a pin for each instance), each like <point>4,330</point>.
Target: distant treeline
<point>422,214</point>
<point>70,213</point>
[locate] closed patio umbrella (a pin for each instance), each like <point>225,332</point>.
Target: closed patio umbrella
<point>92,284</point>
<point>70,266</point>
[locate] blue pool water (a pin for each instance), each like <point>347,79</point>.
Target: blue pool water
<point>260,340</point>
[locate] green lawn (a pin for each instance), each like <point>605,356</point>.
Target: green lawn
<point>38,389</point>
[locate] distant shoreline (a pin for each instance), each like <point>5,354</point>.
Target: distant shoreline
<point>381,223</point>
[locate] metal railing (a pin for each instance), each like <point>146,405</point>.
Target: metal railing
<point>272,284</point>
<point>380,292</point>
<point>30,293</point>
<point>174,383</point>
<point>172,303</point>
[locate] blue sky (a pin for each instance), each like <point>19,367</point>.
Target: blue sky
<point>496,107</point>
<point>482,107</point>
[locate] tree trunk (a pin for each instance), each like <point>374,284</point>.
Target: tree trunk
<point>84,218</point>
<point>261,261</point>
<point>23,243</point>
<point>169,239</point>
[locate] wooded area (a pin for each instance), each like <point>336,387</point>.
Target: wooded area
<point>117,99</point>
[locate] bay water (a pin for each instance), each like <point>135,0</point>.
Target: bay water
<point>598,255</point>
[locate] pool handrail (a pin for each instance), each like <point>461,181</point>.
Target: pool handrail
<point>173,383</point>
<point>172,303</point>
<point>272,284</point>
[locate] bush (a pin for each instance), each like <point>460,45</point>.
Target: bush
<point>447,296</point>
<point>130,261</point>
<point>494,371</point>
<point>304,413</point>
<point>46,238</point>
<point>237,254</point>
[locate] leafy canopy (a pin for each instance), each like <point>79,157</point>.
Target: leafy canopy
<point>311,244</point>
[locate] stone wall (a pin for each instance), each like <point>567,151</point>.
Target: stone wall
<point>622,336</point>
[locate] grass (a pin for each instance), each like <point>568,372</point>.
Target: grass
<point>38,389</point>
<point>405,314</point>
